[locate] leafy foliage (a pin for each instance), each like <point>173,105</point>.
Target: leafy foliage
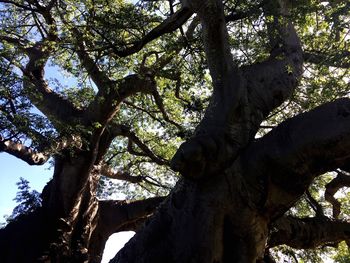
<point>28,200</point>
<point>162,118</point>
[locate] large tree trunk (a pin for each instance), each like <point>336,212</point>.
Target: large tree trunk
<point>61,223</point>
<point>72,225</point>
<point>235,215</point>
<point>235,187</point>
<point>208,221</point>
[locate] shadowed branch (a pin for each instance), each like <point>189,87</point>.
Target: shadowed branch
<point>300,149</point>
<point>22,152</point>
<point>342,180</point>
<point>308,233</point>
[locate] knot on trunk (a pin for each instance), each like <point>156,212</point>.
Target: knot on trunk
<point>204,155</point>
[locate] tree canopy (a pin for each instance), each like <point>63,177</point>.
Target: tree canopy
<point>108,90</point>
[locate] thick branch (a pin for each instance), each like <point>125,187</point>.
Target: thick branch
<point>308,233</point>
<point>242,98</point>
<point>339,60</point>
<point>127,132</point>
<point>342,180</point>
<point>43,97</point>
<point>22,152</point>
<point>314,204</point>
<point>271,82</point>
<point>103,108</point>
<point>114,215</point>
<point>289,157</point>
<point>120,175</point>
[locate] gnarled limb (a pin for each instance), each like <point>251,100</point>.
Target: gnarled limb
<point>116,216</point>
<point>242,97</point>
<point>22,152</point>
<point>52,104</point>
<point>342,180</point>
<point>120,175</point>
<point>287,159</point>
<point>314,204</point>
<point>191,159</point>
<point>42,96</point>
<point>308,233</point>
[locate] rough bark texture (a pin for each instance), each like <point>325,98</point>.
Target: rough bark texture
<point>229,204</point>
<point>72,225</point>
<point>235,187</point>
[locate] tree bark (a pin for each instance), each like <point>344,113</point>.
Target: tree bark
<point>72,225</point>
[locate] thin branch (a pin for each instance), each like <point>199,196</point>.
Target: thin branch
<point>314,204</point>
<point>102,81</point>
<point>169,25</point>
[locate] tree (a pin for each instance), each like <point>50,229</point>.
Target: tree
<point>215,75</point>
<point>28,200</point>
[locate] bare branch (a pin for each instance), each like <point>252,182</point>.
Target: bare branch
<point>123,130</point>
<point>22,152</point>
<point>159,102</point>
<point>308,233</point>
<point>342,180</point>
<point>158,160</point>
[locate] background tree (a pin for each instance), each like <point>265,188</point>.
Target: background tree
<point>146,76</point>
